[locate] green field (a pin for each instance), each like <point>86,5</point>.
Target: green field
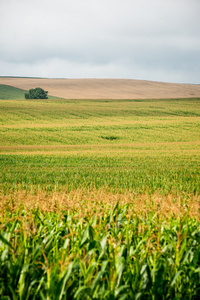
<point>140,146</point>
<point>9,92</point>
<point>100,199</point>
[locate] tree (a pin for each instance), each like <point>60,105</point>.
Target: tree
<point>36,93</point>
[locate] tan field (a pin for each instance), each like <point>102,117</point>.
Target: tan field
<point>105,88</point>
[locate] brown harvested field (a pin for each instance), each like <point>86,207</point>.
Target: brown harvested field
<point>105,88</point>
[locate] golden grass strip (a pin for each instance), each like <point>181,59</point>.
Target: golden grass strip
<point>97,202</point>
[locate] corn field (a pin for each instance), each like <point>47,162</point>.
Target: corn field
<point>99,199</point>
<point>95,245</point>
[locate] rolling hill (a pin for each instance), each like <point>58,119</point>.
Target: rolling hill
<point>105,88</point>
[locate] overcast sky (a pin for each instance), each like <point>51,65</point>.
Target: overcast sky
<point>136,39</point>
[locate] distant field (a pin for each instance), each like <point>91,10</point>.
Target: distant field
<point>106,88</point>
<point>140,146</point>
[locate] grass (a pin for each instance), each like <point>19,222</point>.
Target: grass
<point>100,199</point>
<point>9,92</point>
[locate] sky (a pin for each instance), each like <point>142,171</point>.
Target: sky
<point>155,40</point>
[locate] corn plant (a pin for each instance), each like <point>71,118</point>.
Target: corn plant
<point>111,252</point>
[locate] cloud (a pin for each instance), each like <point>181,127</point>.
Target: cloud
<point>146,39</point>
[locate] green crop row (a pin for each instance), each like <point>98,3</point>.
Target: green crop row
<point>138,174</point>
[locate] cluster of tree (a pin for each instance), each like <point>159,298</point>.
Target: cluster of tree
<point>36,93</point>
